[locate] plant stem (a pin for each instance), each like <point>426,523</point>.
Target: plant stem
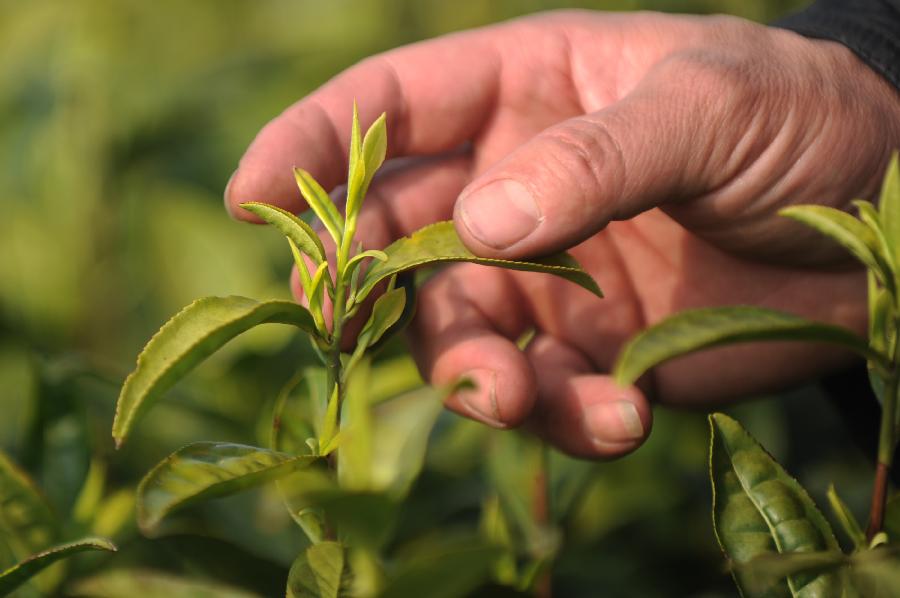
<point>886,446</point>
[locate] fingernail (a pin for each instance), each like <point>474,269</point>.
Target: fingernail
<point>500,214</point>
<point>481,401</point>
<point>617,422</point>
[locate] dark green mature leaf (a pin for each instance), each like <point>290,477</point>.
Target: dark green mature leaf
<point>697,329</point>
<point>759,509</point>
<point>302,234</point>
<point>767,571</point>
<point>453,572</point>
<point>22,572</point>
<point>889,207</point>
<point>853,235</point>
<point>192,335</point>
<point>321,571</point>
<point>27,524</point>
<point>205,470</point>
<point>439,242</point>
<point>148,583</point>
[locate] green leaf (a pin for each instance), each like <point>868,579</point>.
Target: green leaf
<point>846,519</point>
<point>22,572</point>
<point>374,149</point>
<point>292,227</point>
<point>354,262</point>
<point>697,329</point>
<point>192,335</point>
<point>445,572</point>
<point>869,215</point>
<point>439,242</point>
<point>206,470</point>
<point>357,438</point>
<point>853,235</point>
<point>889,207</point>
<point>148,583</point>
<point>766,572</point>
<point>321,571</point>
<point>27,524</point>
<point>356,175</point>
<point>365,519</point>
<point>759,509</point>
<point>385,313</point>
<point>320,203</point>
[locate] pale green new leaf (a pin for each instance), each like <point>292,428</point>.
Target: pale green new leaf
<point>889,207</point>
<point>853,235</point>
<point>869,216</point>
<point>320,203</point>
<point>205,470</point>
<point>439,242</point>
<point>758,509</point>
<point>356,174</point>
<point>697,329</point>
<point>845,517</point>
<point>292,227</point>
<point>147,583</point>
<point>22,572</point>
<point>192,335</point>
<point>321,571</point>
<point>385,313</point>
<point>374,149</point>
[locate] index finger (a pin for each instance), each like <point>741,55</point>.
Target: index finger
<point>437,94</point>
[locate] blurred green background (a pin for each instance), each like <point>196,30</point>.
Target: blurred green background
<point>121,121</point>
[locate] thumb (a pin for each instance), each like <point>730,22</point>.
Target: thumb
<point>659,144</point>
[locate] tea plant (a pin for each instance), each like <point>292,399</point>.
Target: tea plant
<point>343,459</point>
<point>776,538</point>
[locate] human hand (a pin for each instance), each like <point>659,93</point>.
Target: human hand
<point>658,148</point>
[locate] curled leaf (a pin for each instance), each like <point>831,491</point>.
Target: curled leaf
<point>192,335</point>
<point>22,572</point>
<point>320,203</point>
<point>299,232</point>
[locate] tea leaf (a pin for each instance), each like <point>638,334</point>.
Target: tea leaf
<point>374,149</point>
<point>205,470</point>
<point>759,509</point>
<point>357,437</point>
<point>439,242</point>
<point>365,519</point>
<point>320,203</point>
<point>846,519</point>
<point>697,329</point>
<point>356,175</point>
<point>321,571</point>
<point>22,572</point>
<point>766,572</point>
<point>148,583</point>
<point>192,335</point>
<point>27,524</point>
<point>385,313</point>
<point>299,232</point>
<point>889,207</point>
<point>840,226</point>
<point>869,216</point>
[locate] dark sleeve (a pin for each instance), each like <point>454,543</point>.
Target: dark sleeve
<point>870,28</point>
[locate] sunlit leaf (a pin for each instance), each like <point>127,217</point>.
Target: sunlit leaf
<point>889,207</point>
<point>853,235</point>
<point>22,572</point>
<point>374,148</point>
<point>206,470</point>
<point>191,336</point>
<point>147,583</point>
<point>320,203</point>
<point>439,242</point>
<point>356,174</point>
<point>698,329</point>
<point>321,571</point>
<point>759,509</point>
<point>385,313</point>
<point>292,227</point>
<point>845,517</point>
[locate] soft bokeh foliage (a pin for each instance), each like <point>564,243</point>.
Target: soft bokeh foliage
<point>120,122</point>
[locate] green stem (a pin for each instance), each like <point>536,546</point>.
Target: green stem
<point>887,443</point>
